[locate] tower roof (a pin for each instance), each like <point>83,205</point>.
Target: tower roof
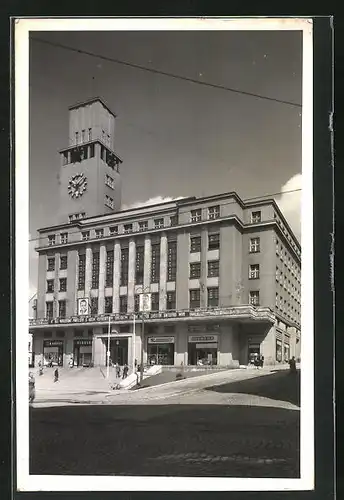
<point>90,101</point>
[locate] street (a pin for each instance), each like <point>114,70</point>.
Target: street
<point>245,427</point>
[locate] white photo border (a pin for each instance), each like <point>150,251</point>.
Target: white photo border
<point>27,482</point>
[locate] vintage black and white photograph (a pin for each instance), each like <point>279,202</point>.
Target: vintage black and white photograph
<point>165,177</point>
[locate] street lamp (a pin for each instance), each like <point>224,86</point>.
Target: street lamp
<point>144,290</point>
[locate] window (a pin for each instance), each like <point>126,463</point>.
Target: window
<point>113,230</point>
<point>108,305</point>
<point>85,235</point>
<point>196,215</point>
<point>124,266</point>
<point>158,223</point>
<point>254,298</point>
<point>64,238</point>
<point>99,233</point>
<point>60,334</point>
<point>51,239</point>
<point>83,136</point>
<point>213,297</point>
<point>49,308</point>
<point>48,335</point>
<point>277,273</point>
<point>63,284</point>
<point>253,273</point>
<point>214,212</point>
<point>173,220</point>
<point>51,264</point>
<point>123,304</point>
<point>171,300</point>
<point>109,268</point>
<point>140,257</point>
<point>171,260</point>
<point>63,262</point>
<point>76,137</point>
<point>195,270</point>
<point>92,152</point>
<point>195,298</point>
<point>254,245</point>
<point>50,286</point>
<point>256,217</point>
<point>109,181</point>
<point>213,241</point>
<point>109,201</point>
<point>213,268</point>
<point>81,272</point>
<point>95,270</point>
<point>128,228</point>
<point>62,308</point>
<point>94,306</point>
<point>155,269</point>
<point>90,134</point>
<point>155,301</point>
<point>137,303</point>
<point>143,225</point>
<point>195,244</point>
<point>77,216</point>
<point>151,329</point>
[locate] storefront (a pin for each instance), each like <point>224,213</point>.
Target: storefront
<point>82,352</point>
<point>53,352</point>
<point>253,350</point>
<point>278,351</point>
<point>202,350</point>
<point>160,350</point>
<point>286,349</point>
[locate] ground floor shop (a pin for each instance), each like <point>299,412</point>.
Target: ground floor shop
<point>225,343</point>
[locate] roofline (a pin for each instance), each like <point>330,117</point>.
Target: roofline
<point>89,101</point>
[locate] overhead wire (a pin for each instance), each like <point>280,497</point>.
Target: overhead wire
<point>164,73</point>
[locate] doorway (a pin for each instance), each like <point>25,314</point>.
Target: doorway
<point>119,351</point>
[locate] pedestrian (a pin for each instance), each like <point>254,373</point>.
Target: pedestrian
<point>40,368</point>
<point>56,375</point>
<point>118,371</point>
<point>262,361</point>
<point>71,362</point>
<point>125,371</point>
<point>292,365</point>
<point>135,364</point>
<point>32,384</point>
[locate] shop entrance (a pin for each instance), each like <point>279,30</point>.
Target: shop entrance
<point>53,353</point>
<point>118,351</point>
<point>82,352</point>
<point>253,352</point>
<point>160,354</point>
<point>202,350</point>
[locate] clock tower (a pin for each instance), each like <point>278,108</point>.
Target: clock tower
<point>90,182</point>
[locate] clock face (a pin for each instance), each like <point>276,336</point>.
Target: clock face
<point>77,185</point>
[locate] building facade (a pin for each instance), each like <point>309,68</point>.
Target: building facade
<point>223,273</point>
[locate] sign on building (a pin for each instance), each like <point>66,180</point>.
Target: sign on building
<point>160,340</point>
<point>83,307</point>
<point>145,302</point>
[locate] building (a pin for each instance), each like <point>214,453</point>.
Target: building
<point>223,273</point>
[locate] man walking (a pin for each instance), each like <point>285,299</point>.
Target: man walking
<point>125,371</point>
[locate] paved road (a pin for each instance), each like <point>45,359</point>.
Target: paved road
<point>252,432</point>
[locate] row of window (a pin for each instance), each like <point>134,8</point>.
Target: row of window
<point>194,302</point>
<point>287,235</point>
<point>78,154</point>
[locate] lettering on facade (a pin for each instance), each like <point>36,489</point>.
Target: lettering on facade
<point>83,342</point>
<point>52,343</point>
<point>160,340</point>
<point>203,338</point>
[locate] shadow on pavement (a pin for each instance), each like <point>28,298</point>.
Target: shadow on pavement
<point>165,440</point>
<point>280,385</point>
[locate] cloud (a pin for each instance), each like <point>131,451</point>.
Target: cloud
<point>290,203</point>
<point>151,201</point>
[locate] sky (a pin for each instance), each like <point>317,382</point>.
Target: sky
<point>176,138</point>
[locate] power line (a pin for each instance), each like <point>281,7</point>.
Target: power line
<point>164,73</point>
<point>271,195</point>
